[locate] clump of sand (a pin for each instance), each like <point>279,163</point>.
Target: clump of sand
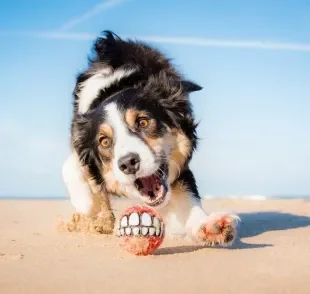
<point>89,224</point>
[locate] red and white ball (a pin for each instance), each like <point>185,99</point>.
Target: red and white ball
<point>141,230</point>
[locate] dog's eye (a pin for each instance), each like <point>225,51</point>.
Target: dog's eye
<point>143,123</point>
<point>105,142</point>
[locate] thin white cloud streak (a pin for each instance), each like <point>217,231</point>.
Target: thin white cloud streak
<point>87,15</point>
<point>187,41</point>
<point>191,41</point>
<point>205,42</point>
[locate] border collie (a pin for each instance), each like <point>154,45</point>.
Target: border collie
<point>133,134</point>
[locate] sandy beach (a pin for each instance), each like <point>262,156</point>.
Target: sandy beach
<point>272,254</point>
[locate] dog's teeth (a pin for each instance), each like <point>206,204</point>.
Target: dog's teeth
<point>161,229</point>
<point>118,233</point>
<point>128,231</point>
<point>124,221</point>
<point>151,231</point>
<point>122,231</point>
<point>156,222</point>
<point>144,231</point>
<point>146,219</point>
<point>134,219</point>
<point>136,231</point>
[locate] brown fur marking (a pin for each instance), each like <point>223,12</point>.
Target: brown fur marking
<point>105,130</point>
<point>180,152</point>
<point>130,117</point>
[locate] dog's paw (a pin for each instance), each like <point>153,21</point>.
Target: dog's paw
<point>219,229</point>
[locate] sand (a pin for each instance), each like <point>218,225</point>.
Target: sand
<point>271,256</point>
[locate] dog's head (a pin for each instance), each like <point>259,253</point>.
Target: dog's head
<point>133,125</point>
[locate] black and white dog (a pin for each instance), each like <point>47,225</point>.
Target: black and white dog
<point>133,134</point>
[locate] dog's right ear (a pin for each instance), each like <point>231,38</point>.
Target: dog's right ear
<point>108,48</point>
<point>106,43</point>
<point>189,86</point>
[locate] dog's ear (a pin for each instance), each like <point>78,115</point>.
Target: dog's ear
<point>109,48</point>
<point>189,86</point>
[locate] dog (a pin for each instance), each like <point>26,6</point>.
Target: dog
<point>133,134</point>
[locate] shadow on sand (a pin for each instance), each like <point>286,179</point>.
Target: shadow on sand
<point>192,248</point>
<point>252,224</point>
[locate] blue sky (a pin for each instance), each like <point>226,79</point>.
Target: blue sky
<point>251,57</point>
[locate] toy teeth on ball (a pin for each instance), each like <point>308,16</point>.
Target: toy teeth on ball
<point>141,230</point>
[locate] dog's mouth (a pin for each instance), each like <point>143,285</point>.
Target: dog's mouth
<point>153,189</point>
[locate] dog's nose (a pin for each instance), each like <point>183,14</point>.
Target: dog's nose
<point>129,164</point>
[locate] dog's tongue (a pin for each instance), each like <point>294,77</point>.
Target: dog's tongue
<point>149,183</point>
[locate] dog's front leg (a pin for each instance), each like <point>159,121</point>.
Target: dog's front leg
<point>79,190</point>
<point>184,214</point>
<point>92,204</point>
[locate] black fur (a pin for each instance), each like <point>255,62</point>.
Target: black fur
<point>113,52</point>
<point>188,180</point>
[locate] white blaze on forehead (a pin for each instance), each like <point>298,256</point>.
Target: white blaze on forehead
<point>103,79</point>
<point>125,143</point>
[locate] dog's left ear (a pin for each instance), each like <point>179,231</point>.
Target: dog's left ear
<point>189,86</point>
